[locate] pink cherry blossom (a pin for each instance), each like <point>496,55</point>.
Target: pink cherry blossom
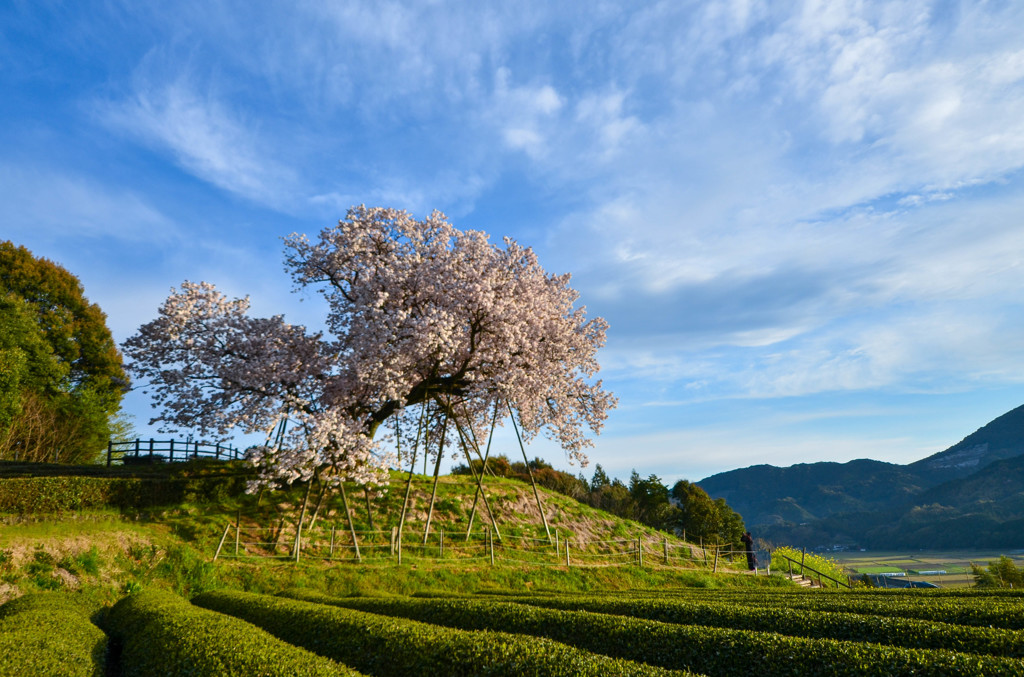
<point>420,312</point>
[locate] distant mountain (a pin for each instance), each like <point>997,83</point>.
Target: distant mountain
<point>971,494</point>
<point>1002,438</point>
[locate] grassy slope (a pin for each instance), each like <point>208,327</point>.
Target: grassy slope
<point>105,552</point>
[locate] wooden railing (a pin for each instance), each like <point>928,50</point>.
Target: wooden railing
<point>155,451</point>
<point>806,567</point>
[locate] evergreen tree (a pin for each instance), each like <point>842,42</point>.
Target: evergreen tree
<point>61,379</point>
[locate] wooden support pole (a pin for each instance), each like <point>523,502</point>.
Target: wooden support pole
<point>437,472</point>
<point>220,545</point>
<point>394,537</point>
<point>664,544</point>
<point>302,518</point>
<point>369,510</point>
<point>399,546</point>
<point>557,549</point>
<point>412,466</point>
<point>351,525</point>
<point>478,479</point>
<point>440,535</point>
<point>529,470</point>
<point>238,530</point>
<point>333,530</point>
<point>715,570</point>
<point>490,543</point>
<point>567,564</point>
<point>639,551</point>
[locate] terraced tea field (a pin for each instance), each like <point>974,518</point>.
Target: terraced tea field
<point>688,631</point>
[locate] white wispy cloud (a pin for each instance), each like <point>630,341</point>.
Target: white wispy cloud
<point>206,137</point>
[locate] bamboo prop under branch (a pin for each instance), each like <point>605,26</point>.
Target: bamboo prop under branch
<point>479,479</point>
<point>351,526</point>
<point>536,493</point>
<point>412,465</point>
<point>302,518</point>
<point>369,511</point>
<point>222,539</point>
<point>319,502</point>
<point>483,470</point>
<point>437,472</point>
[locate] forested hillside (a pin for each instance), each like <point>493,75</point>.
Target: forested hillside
<point>971,494</point>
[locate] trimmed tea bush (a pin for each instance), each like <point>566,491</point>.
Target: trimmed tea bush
<point>50,634</point>
<point>159,633</point>
<point>385,646</point>
<point>712,651</point>
<point>880,629</point>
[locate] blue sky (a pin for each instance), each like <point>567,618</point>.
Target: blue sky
<point>802,220</point>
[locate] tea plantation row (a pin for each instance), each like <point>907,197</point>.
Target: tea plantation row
<point>674,633</point>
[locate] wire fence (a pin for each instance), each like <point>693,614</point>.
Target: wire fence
<point>337,542</point>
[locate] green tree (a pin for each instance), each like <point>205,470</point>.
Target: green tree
<point>1002,573</point>
<point>650,500</point>
<point>600,479</point>
<point>731,527</point>
<point>61,378</point>
<point>700,515</point>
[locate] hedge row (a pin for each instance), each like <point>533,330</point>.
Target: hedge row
<point>158,633</point>
<point>974,610</point>
<point>712,651</point>
<point>880,629</point>
<point>34,495</point>
<point>982,611</point>
<point>385,646</point>
<point>50,634</point>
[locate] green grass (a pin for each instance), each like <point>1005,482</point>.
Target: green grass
<point>105,553</point>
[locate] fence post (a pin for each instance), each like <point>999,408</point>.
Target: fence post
<point>150,448</point>
<point>110,450</point>
<point>217,448</point>
<point>715,570</point>
<point>238,530</point>
<point>803,553</point>
<point>394,531</point>
<point>558,550</point>
<point>567,564</point>
<point>331,555</point>
<point>640,551</point>
<point>440,535</point>
<point>490,543</point>
<point>665,545</point>
<point>171,459</point>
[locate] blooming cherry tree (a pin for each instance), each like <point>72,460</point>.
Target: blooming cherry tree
<point>422,309</point>
<point>420,313</point>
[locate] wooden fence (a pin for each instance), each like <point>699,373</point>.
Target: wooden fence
<point>170,451</point>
